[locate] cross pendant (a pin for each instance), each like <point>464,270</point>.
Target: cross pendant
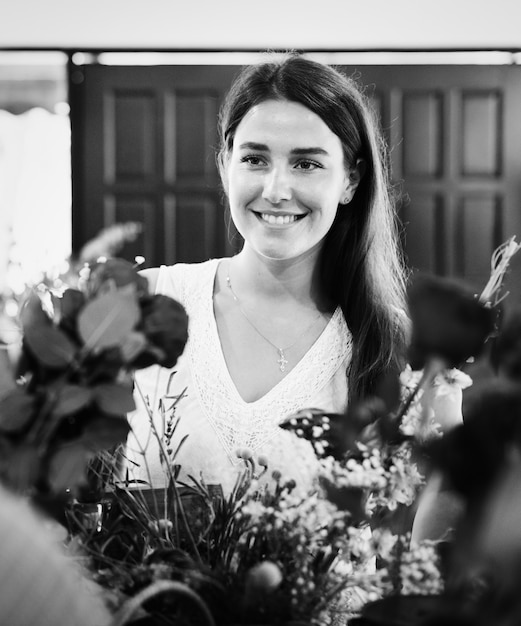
<point>282,360</point>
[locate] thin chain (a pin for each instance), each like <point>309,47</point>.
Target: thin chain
<point>282,361</point>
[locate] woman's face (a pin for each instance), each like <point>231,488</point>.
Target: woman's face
<point>285,177</point>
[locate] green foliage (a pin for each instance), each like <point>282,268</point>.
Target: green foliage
<point>67,398</point>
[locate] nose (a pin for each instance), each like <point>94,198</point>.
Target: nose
<point>277,187</point>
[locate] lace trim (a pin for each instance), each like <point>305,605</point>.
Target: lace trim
<point>239,424</point>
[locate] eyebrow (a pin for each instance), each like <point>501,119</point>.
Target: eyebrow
<point>304,151</point>
<point>252,145</point>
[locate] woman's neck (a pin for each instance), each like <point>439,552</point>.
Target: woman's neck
<point>280,280</point>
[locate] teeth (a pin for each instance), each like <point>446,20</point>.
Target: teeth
<point>278,219</point>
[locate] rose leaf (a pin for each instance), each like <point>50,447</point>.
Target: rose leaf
<point>71,399</point>
<point>32,313</point>
<point>114,399</point>
<point>106,321</point>
<point>50,346</point>
<point>23,468</point>
<point>16,410</point>
<point>67,466</point>
<point>106,432</point>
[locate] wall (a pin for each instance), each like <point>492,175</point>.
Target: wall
<point>232,24</point>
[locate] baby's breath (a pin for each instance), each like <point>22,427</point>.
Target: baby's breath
<point>419,570</point>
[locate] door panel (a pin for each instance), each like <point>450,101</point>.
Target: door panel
<point>144,151</point>
<point>129,137</point>
<point>422,125</point>
<point>455,137</point>
<point>133,207</point>
<point>481,133</point>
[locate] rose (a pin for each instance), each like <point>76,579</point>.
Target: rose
<point>506,350</point>
<point>70,304</point>
<point>448,321</point>
<point>115,273</point>
<point>165,325</point>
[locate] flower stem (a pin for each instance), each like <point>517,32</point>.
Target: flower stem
<point>178,504</point>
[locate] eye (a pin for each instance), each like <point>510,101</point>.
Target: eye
<point>307,165</point>
<point>253,159</point>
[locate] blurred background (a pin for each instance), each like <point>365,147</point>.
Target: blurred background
<point>108,116</point>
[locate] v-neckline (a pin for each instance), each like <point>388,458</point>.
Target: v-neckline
<point>278,388</point>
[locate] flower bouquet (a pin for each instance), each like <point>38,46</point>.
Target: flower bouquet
<point>265,555</point>
<point>68,395</point>
<point>262,555</point>
<point>190,555</point>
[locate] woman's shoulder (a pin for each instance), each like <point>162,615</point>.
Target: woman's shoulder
<point>152,275</point>
<point>161,279</point>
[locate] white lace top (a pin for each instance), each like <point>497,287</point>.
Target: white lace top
<point>218,422</point>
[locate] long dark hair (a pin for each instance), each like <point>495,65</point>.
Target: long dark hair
<point>361,266</point>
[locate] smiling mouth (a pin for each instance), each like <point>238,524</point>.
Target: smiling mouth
<point>279,220</point>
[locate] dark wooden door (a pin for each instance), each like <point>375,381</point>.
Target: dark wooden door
<point>144,150</point>
<point>455,137</point>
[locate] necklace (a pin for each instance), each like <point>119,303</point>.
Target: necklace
<point>282,361</point>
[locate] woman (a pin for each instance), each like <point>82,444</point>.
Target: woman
<point>310,313</point>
